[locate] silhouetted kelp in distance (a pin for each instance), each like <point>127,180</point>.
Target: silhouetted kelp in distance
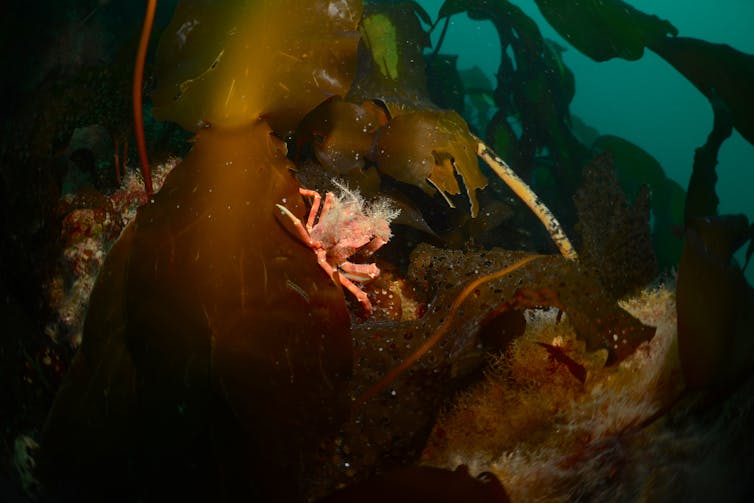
<point>535,89</point>
<point>715,303</point>
<point>243,345</point>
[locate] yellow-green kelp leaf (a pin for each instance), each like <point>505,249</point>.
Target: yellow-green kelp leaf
<point>605,29</point>
<point>391,64</point>
<point>380,36</point>
<point>427,149</point>
<point>228,63</point>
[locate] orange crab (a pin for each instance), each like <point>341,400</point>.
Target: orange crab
<point>347,225</point>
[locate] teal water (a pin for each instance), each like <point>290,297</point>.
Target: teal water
<point>647,101</point>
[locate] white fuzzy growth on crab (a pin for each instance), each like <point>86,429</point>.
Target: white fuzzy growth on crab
<point>350,224</point>
<point>345,225</point>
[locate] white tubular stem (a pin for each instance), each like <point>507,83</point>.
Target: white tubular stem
<point>529,198</point>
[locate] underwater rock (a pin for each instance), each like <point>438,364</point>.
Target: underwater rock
<point>91,223</point>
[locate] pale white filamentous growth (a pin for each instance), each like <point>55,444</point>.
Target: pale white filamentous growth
<point>349,209</point>
<point>549,438</point>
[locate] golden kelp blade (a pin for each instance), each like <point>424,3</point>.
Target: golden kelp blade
<point>417,148</point>
<point>229,63</point>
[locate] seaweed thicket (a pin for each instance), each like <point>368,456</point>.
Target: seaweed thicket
<point>219,359</point>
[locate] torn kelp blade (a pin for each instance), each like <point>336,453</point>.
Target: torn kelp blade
<point>428,149</point>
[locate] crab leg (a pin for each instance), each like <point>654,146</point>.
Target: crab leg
<point>371,247</point>
<point>324,264</point>
<point>349,285</point>
<point>328,204</point>
<point>359,272</point>
<point>357,292</point>
<point>322,261</point>
<point>302,232</point>
<point>315,206</point>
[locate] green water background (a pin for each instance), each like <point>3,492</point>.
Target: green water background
<point>647,101</point>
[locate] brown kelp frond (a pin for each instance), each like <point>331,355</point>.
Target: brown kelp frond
<point>616,239</point>
<point>429,343</point>
<point>428,148</point>
<point>635,169</point>
<point>715,303</point>
<point>390,64</point>
<point>420,145</point>
<point>550,281</point>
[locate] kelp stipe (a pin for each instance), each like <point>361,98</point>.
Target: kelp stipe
<point>138,84</point>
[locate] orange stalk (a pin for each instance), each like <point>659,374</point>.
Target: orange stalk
<point>141,57</point>
<point>429,343</point>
